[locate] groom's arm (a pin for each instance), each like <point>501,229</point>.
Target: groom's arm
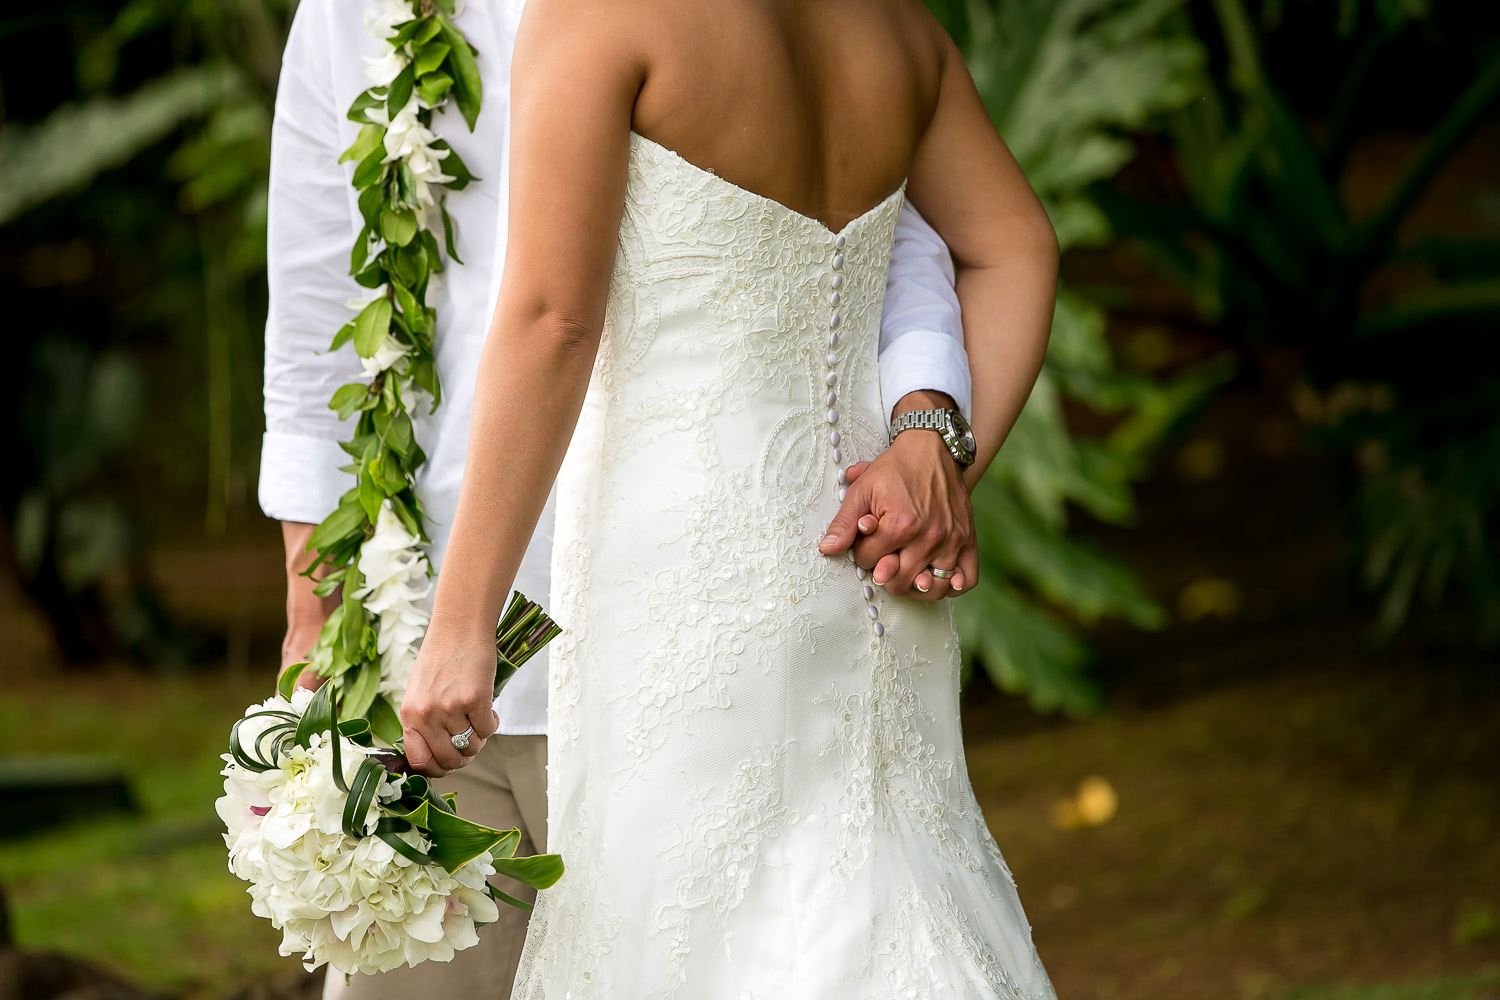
<point>310,228</point>
<point>910,504</point>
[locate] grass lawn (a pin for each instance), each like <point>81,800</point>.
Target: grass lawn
<point>148,895</point>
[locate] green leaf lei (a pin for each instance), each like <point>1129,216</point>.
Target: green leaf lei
<point>397,255</point>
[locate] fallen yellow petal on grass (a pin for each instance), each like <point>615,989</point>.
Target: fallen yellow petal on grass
<point>1094,805</point>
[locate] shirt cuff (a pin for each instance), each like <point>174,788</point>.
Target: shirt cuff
<point>924,359</point>
<point>300,478</point>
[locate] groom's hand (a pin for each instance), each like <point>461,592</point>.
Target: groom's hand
<point>907,511</point>
<point>305,611</point>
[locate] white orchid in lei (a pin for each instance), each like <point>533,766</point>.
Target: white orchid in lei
<point>397,585</point>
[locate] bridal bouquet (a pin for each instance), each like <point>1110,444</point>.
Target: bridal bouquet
<point>358,862</point>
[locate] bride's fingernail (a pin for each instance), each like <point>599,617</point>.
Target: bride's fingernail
<point>923,589</point>
<point>828,539</point>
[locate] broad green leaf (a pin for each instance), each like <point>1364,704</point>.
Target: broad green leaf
<point>345,334</point>
<point>398,226</point>
<point>370,170</point>
<point>429,30</point>
<point>430,56</point>
<point>433,87</point>
<point>457,841</point>
<point>468,90</point>
<point>317,717</point>
<point>370,139</point>
<point>384,721</point>
<point>454,166</point>
<point>360,252</point>
<point>347,518</point>
<point>405,32</point>
<point>448,231</point>
<point>346,401</point>
<point>363,103</point>
<point>371,327</point>
<point>360,689</point>
<point>540,871</point>
<point>286,683</point>
<point>399,92</point>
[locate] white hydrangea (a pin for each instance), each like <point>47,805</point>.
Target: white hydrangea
<point>353,903</point>
<point>397,585</point>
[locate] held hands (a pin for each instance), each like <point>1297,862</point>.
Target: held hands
<point>451,688</point>
<point>906,511</point>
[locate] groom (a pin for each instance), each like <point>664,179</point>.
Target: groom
<point>905,511</point>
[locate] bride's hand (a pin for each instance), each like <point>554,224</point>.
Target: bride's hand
<point>450,690</point>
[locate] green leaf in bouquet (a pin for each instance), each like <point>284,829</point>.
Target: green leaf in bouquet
<point>317,717</point>
<point>429,30</point>
<point>384,722</point>
<point>286,681</point>
<point>361,686</point>
<point>357,731</point>
<point>389,830</point>
<point>261,756</point>
<point>501,896</point>
<point>540,871</point>
<point>362,790</point>
<point>457,841</point>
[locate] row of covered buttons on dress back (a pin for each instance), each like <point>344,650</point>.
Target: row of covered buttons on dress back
<point>831,379</point>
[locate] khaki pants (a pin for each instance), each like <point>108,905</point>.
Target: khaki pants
<point>505,786</point>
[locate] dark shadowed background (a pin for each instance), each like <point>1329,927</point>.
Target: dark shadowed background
<point>1233,704</point>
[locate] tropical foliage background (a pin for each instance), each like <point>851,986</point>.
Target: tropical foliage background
<point>1289,206</point>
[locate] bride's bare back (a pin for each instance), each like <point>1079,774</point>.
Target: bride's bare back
<point>817,104</point>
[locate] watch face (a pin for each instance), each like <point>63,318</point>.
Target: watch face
<point>967,442</point>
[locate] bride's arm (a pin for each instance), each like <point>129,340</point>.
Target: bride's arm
<point>966,183</point>
<point>573,88</point>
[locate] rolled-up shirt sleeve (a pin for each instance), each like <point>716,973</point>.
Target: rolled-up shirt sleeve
<point>921,330</point>
<point>312,223</point>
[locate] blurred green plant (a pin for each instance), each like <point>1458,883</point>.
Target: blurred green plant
<point>1063,82</point>
<point>77,534</point>
<point>1391,336</point>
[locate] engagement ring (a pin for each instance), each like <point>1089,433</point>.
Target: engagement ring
<point>461,741</point>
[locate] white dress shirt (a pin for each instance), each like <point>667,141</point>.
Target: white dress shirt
<point>314,220</point>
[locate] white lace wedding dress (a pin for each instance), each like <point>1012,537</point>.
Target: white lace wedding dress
<point>756,775</point>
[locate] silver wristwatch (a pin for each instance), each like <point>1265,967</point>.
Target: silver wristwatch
<point>950,425</point>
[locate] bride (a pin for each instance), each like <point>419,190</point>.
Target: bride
<point>756,773</point>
